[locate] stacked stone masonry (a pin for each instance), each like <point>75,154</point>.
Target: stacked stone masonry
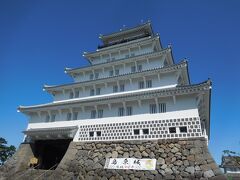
<point>176,159</point>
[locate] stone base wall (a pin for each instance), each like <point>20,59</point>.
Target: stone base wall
<point>18,163</point>
<point>176,159</point>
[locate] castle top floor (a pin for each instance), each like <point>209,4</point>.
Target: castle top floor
<point>126,35</point>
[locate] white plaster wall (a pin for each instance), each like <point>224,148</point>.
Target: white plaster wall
<point>139,117</point>
<point>118,54</point>
<point>183,105</point>
<point>166,80</point>
<point>153,63</point>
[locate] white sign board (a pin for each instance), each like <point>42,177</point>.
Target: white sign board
<point>130,163</point>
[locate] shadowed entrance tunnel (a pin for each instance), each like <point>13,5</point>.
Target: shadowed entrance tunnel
<point>50,152</point>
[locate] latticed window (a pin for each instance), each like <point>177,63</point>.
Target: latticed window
<point>121,111</point>
<point>47,118</point>
<point>100,113</point>
<point>122,87</point>
<point>116,72</point>
<point>149,83</point>
<point>75,115</point>
<point>53,117</point>
<point>91,76</point>
<point>162,107</point>
<point>96,75</point>
<point>139,67</point>
<point>153,108</point>
<point>133,69</point>
<point>172,130</point>
<point>141,84</point>
<point>91,92</point>
<point>115,88</point>
<point>91,134</point>
<point>69,116</point>
<point>111,73</point>
<point>145,131</point>
<point>136,131</point>
<point>183,129</point>
<point>98,91</point>
<point>71,95</point>
<point>93,114</point>
<point>99,133</point>
<point>76,94</point>
<point>129,111</point>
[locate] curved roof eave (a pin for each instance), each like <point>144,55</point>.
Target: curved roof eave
<point>48,87</point>
<point>73,70</point>
<point>206,85</point>
<point>118,33</point>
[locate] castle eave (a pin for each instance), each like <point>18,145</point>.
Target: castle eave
<point>51,133</point>
<point>165,69</point>
<point>116,62</point>
<point>145,93</point>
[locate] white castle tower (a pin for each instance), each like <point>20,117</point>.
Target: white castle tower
<point>132,90</point>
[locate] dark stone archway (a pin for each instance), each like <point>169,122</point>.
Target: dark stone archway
<point>50,152</point>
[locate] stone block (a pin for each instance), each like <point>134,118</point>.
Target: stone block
<point>208,174</point>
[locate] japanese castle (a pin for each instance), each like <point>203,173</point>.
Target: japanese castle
<point>132,90</point>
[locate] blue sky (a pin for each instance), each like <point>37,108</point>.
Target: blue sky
<point>38,39</point>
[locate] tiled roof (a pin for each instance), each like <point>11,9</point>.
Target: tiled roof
<point>230,162</point>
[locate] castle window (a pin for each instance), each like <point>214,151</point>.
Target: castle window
<point>47,118</point>
<point>141,84</point>
<point>153,108</point>
<point>69,116</point>
<point>71,95</point>
<point>99,133</point>
<point>53,117</point>
<point>115,88</point>
<point>93,114</point>
<point>172,130</point>
<point>91,76</point>
<point>91,92</point>
<point>183,129</point>
<point>129,111</point>
<point>116,72</point>
<point>75,115</point>
<point>133,69</point>
<point>149,83</point>
<point>139,67</point>
<point>162,107</point>
<point>145,131</point>
<point>111,73</point>
<point>100,113</point>
<point>136,131</point>
<point>96,75</point>
<point>91,134</point>
<point>76,94</point>
<point>121,87</point>
<point>121,111</point>
<point>98,91</point>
